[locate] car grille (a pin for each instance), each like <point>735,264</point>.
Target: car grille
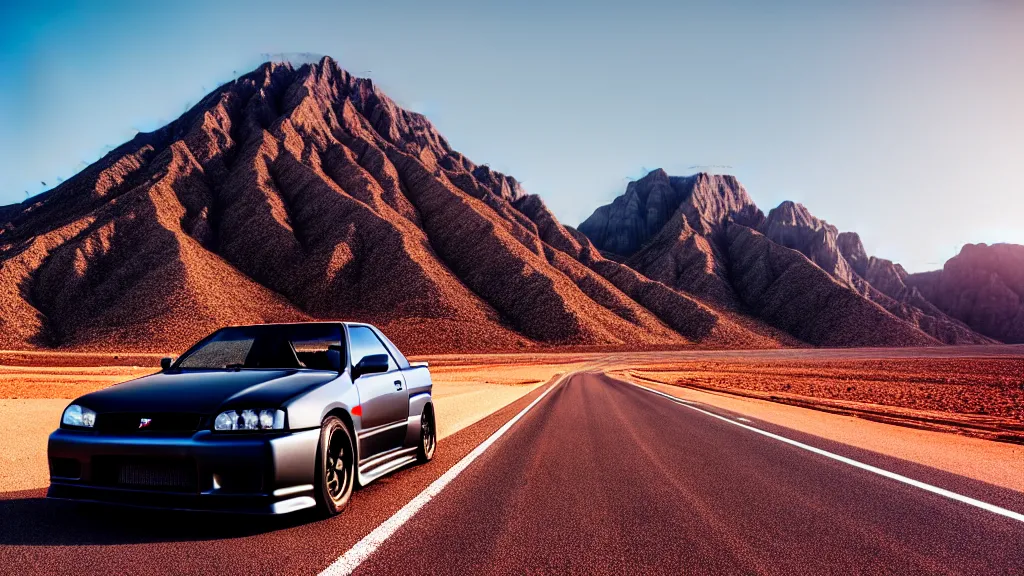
<point>174,475</point>
<point>162,422</point>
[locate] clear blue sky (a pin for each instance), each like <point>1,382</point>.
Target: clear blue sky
<point>902,120</point>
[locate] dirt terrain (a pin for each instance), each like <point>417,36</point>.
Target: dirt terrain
<point>47,375</point>
<point>972,391</point>
<point>968,390</point>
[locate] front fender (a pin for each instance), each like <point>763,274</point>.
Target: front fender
<point>309,409</point>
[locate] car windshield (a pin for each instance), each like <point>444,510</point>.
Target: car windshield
<point>296,346</point>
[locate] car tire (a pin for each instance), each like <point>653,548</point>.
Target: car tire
<point>428,436</point>
<point>335,467</point>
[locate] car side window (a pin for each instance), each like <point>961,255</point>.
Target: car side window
<point>363,342</point>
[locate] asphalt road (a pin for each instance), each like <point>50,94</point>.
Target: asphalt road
<point>599,477</point>
<point>602,477</point>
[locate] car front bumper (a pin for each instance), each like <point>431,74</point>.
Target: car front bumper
<point>258,473</point>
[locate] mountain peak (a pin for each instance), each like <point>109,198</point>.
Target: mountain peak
<point>789,213</point>
<point>633,219</point>
<point>851,247</point>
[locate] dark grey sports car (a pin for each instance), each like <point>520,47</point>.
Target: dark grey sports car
<point>260,419</point>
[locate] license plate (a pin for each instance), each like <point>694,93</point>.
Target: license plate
<point>155,476</point>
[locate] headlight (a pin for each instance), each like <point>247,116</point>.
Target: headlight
<point>75,415</point>
<point>249,420</point>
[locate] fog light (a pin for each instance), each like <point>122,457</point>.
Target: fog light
<point>65,468</point>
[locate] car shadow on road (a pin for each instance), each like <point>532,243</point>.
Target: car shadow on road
<point>27,518</point>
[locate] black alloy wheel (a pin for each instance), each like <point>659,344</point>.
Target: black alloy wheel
<point>336,463</point>
<point>428,436</point>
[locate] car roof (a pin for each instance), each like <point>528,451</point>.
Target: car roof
<point>317,323</point>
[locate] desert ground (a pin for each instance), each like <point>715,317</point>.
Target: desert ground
<point>713,467</point>
<point>980,396</point>
<point>953,396</point>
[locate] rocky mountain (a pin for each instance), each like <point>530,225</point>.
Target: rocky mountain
<point>787,290</point>
<point>703,235</point>
<point>842,255</point>
<point>671,229</point>
<point>983,286</point>
<point>302,193</point>
<point>306,193</point>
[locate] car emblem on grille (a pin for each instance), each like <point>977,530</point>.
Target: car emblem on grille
<point>144,423</point>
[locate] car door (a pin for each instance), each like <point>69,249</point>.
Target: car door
<point>384,397</point>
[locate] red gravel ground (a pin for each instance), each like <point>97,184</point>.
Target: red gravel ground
<point>980,395</point>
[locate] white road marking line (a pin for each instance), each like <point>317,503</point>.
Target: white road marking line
<point>349,561</point>
<point>742,419</point>
<point>881,472</point>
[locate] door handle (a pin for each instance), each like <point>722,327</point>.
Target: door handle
<point>398,384</point>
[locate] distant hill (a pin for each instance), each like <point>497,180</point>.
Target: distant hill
<point>983,286</point>
<point>703,235</point>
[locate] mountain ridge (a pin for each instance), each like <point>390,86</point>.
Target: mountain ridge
<point>305,193</point>
<point>691,249</point>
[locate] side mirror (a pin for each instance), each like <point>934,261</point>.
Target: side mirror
<point>372,364</point>
<point>165,363</point>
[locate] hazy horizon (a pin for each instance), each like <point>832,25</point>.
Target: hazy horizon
<point>899,121</point>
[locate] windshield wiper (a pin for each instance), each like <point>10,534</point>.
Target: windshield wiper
<point>234,366</point>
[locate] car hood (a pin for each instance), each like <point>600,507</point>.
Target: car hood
<point>205,391</point>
